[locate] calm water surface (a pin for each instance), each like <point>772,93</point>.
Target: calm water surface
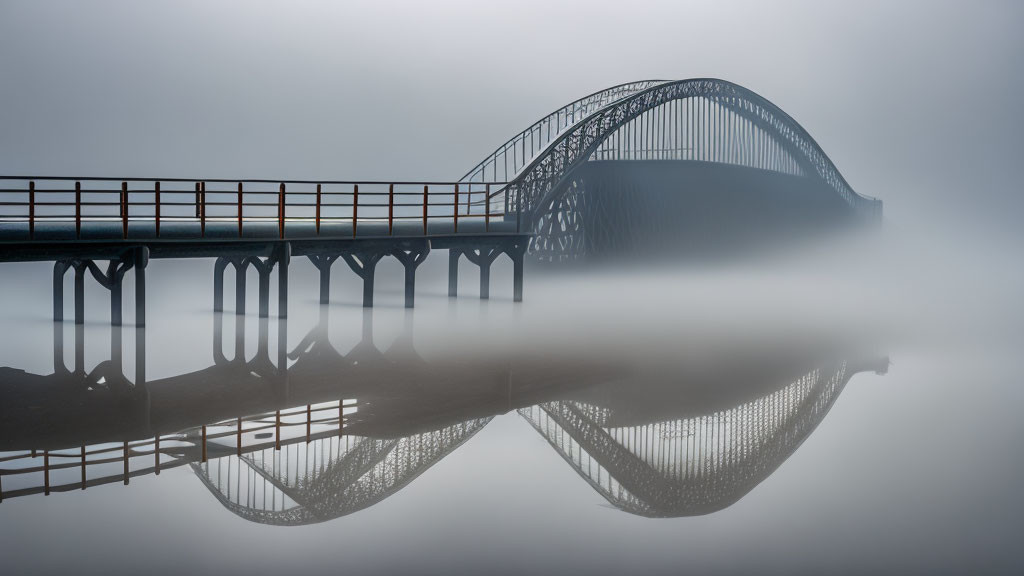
<point>774,420</point>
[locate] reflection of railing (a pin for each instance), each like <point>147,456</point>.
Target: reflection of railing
<point>142,205</point>
<point>33,472</point>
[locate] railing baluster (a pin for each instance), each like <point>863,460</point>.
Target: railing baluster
<point>455,209</point>
<point>197,200</point>
<point>280,211</point>
<point>156,454</point>
<point>204,443</point>
<point>156,199</point>
<point>78,209</point>
<point>239,209</point>
<point>317,209</point>
<point>424,209</point>
<point>31,210</point>
<point>124,210</point>
<point>355,208</point>
<point>391,209</point>
<point>202,209</point>
<point>487,208</point>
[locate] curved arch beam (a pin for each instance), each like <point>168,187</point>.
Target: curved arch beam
<point>544,178</point>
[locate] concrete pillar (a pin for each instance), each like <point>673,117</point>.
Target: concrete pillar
<point>283,259</point>
<point>485,276</point>
<point>140,264</point>
<point>80,294</point>
<point>517,276</point>
<point>59,268</point>
<point>453,272</point>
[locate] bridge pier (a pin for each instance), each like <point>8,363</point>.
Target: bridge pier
<point>364,264</point>
<point>323,265</point>
<point>279,258</point>
<point>411,260</point>
<point>483,257</point>
<point>135,258</point>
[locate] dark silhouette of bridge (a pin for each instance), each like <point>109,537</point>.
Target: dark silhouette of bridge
<point>662,161</point>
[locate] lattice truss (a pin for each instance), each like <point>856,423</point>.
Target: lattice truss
<point>327,478</point>
<point>704,120</point>
<point>688,466</point>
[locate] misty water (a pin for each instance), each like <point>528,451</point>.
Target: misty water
<point>849,406</point>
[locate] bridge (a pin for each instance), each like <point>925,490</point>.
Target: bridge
<point>575,183</point>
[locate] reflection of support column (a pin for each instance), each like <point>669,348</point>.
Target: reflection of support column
<point>365,264</point>
<point>79,349</point>
<point>411,260</point>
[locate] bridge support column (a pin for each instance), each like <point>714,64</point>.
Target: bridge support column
<point>284,257</point>
<point>141,257</point>
<point>411,260</point>
<point>453,272</point>
<point>484,258</point>
<point>517,253</point>
<point>323,264</point>
<point>60,267</point>
<point>79,293</point>
<point>365,264</point>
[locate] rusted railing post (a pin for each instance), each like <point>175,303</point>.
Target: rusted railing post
<point>202,209</point>
<point>124,209</point>
<point>391,209</point>
<point>83,467</point>
<point>424,209</point>
<point>46,472</point>
<point>204,443</point>
<point>156,455</point>
<point>280,211</point>
<point>239,209</point>
<point>341,417</point>
<point>455,209</point>
<point>31,210</point>
<point>317,209</point>
<point>309,420</point>
<point>355,208</point>
<point>156,201</point>
<point>78,209</point>
<point>238,438</point>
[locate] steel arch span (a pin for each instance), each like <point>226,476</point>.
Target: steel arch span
<point>702,120</point>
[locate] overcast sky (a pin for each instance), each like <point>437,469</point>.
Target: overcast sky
<point>915,102</point>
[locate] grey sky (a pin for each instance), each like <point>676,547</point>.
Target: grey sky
<point>914,101</point>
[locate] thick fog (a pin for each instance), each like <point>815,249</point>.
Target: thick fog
<point>916,103</point>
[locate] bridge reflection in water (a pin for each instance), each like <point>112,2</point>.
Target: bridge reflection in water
<point>311,434</point>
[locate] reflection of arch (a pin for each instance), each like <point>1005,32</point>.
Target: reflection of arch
<point>704,120</point>
<point>689,466</point>
<point>328,478</point>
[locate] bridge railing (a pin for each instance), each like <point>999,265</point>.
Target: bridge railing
<point>31,207</point>
<point>26,472</point>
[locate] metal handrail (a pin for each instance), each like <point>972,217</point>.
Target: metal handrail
<point>33,199</point>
